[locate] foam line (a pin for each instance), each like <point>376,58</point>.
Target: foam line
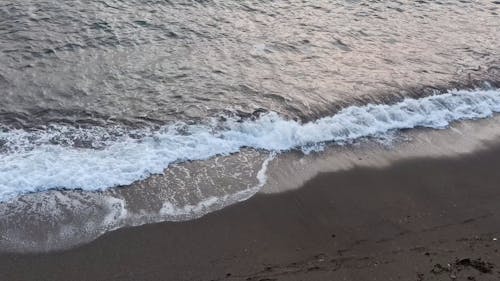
<point>34,161</point>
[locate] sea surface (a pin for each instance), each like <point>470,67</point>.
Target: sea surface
<point>121,113</point>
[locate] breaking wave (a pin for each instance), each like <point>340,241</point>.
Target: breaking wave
<point>99,158</point>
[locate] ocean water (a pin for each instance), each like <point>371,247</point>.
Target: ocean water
<point>119,113</point>
<point>48,159</point>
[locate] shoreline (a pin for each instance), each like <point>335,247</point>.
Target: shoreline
<point>419,219</point>
<point>53,220</point>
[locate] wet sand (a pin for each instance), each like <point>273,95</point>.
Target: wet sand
<point>420,219</point>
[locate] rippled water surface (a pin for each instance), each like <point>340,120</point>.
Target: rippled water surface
<point>143,62</point>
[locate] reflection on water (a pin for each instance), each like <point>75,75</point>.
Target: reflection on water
<point>148,62</point>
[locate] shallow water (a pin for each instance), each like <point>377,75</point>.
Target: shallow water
<point>51,158</point>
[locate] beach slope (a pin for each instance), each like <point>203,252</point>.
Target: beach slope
<point>420,219</point>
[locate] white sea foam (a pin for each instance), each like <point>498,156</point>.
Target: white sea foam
<point>33,161</point>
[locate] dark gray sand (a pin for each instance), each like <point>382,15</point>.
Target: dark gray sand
<point>424,219</point>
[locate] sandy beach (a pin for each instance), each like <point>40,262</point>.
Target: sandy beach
<point>146,140</point>
<point>420,219</point>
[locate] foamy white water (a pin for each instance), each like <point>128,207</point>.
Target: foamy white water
<point>37,161</point>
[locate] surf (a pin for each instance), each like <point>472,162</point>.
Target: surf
<point>34,161</point>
